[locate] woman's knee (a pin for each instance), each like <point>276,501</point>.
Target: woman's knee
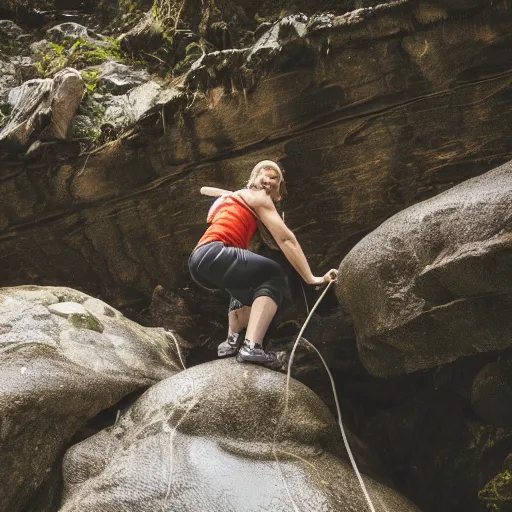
<point>273,287</point>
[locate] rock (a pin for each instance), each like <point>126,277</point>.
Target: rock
<point>215,68</point>
<point>432,283</point>
<point>104,117</point>
<point>119,79</point>
<point>68,89</point>
<point>69,33</point>
<point>353,124</point>
<point>491,393</point>
<point>124,111</point>
<point>58,371</point>
<point>40,48</point>
<point>8,79</point>
<point>224,447</point>
<point>42,103</point>
<point>25,67</point>
<point>31,112</point>
<point>65,309</point>
<point>9,29</point>
<point>145,36</point>
<point>262,28</point>
<point>271,42</point>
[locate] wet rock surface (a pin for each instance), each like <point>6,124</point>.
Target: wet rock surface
<point>207,439</point>
<point>58,370</point>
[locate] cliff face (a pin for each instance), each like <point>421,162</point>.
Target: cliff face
<point>368,112</point>
<point>371,107</point>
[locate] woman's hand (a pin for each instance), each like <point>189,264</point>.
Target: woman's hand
<point>332,275</point>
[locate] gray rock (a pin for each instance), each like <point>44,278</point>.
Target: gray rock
<point>65,309</point>
<point>70,32</point>
<point>119,79</point>
<point>124,111</point>
<point>271,42</point>
<point>146,35</point>
<point>8,79</point>
<point>30,112</point>
<point>42,103</point>
<point>56,376</point>
<point>205,69</point>
<point>433,283</point>
<point>40,48</point>
<point>67,92</point>
<point>67,33</point>
<point>212,439</point>
<point>9,29</point>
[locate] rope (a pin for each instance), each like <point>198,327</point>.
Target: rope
<point>288,378</point>
<point>305,298</point>
<point>177,348</point>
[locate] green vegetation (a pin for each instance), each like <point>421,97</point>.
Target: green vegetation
<point>129,5</point>
<point>79,54</point>
<point>90,78</point>
<point>192,52</point>
<point>497,493</point>
<point>86,124</point>
<point>86,53</point>
<point>5,112</point>
<point>483,438</point>
<point>52,61</point>
<point>168,12</point>
<point>10,46</point>
<point>86,321</point>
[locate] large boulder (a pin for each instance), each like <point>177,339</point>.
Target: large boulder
<point>211,438</point>
<point>64,357</point>
<point>42,104</point>
<point>434,282</point>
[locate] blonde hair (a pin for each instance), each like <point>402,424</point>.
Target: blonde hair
<point>267,164</point>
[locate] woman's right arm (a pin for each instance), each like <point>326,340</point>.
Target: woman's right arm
<point>214,192</point>
<point>289,245</point>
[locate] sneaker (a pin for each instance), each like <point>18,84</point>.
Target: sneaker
<point>254,353</point>
<point>230,346</point>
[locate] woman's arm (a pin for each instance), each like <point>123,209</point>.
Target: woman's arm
<point>289,245</point>
<point>214,192</point>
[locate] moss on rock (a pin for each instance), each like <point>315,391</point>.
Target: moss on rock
<point>78,54</point>
<point>86,321</point>
<point>497,493</point>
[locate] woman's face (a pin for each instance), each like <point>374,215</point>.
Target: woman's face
<point>269,180</point>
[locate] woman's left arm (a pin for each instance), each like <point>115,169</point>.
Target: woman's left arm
<point>214,192</point>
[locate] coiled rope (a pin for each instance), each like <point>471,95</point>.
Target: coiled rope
<point>288,378</point>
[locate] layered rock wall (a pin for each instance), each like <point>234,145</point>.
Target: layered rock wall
<point>368,112</point>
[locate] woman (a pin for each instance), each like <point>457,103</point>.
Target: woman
<point>221,260</point>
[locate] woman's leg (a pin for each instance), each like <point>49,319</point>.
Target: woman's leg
<point>253,280</point>
<point>261,314</point>
<point>238,320</point>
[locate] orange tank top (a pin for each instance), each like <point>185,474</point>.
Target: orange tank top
<point>231,222</point>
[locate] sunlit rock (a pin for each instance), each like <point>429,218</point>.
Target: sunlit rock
<point>58,369</point>
<point>433,283</point>
<point>214,438</point>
